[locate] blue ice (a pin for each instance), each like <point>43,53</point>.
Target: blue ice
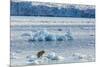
<point>47,36</point>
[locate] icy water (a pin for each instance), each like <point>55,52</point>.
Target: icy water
<point>80,49</point>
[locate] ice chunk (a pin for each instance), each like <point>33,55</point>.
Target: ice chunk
<point>50,37</point>
<point>90,58</point>
<point>33,62</point>
<point>79,56</point>
<point>31,59</point>
<point>68,36</point>
<point>46,36</point>
<point>41,33</point>
<point>40,36</point>
<point>60,38</point>
<point>53,56</point>
<point>31,40</point>
<point>59,58</point>
<point>83,57</point>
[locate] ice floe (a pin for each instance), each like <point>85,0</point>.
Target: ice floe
<point>48,36</point>
<point>83,57</point>
<point>31,59</point>
<point>79,56</point>
<point>54,56</point>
